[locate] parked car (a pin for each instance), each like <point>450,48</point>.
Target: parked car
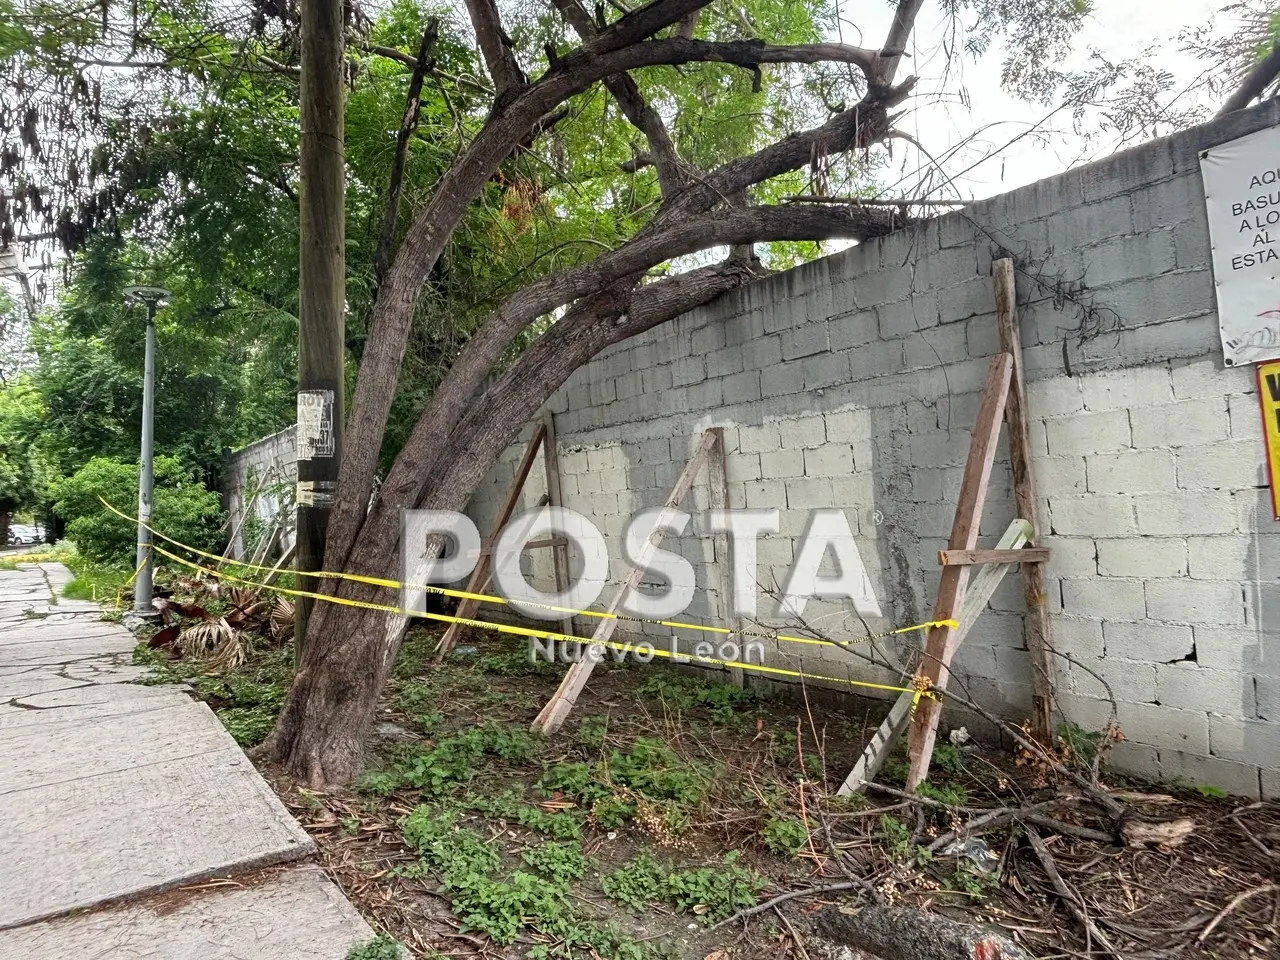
<point>22,533</point>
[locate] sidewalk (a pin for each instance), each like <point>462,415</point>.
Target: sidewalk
<point>116,793</point>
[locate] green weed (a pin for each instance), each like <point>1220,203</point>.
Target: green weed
<point>972,880</point>
<point>637,883</point>
<point>948,758</point>
<point>721,700</point>
<point>453,760</point>
<point>515,663</point>
<point>785,836</point>
<point>711,893</point>
<point>380,947</point>
<point>952,796</point>
<point>561,862</point>
<point>593,731</point>
<point>510,805</point>
<point>897,838</point>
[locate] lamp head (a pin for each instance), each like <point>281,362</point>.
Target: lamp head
<point>151,296</point>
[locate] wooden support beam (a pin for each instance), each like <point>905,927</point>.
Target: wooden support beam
<point>487,545</point>
<point>976,596</point>
<point>245,507</point>
<point>940,644</point>
<point>480,574</point>
<point>561,703</point>
<point>285,560</point>
<point>1036,623</point>
<point>560,551</point>
<point>956,558</point>
<point>718,485</point>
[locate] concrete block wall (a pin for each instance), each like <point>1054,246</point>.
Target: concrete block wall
<point>853,382</point>
<point>242,473</point>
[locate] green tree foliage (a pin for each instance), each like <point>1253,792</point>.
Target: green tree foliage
<point>181,508</point>
<point>23,471</point>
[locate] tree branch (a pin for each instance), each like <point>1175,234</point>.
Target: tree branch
<point>496,47</point>
<point>644,22</point>
<point>420,457</point>
<point>492,422</point>
<point>408,124</point>
<point>391,53</point>
<point>635,108</point>
<point>1255,84</point>
<point>462,183</point>
<point>858,127</point>
<point>895,43</point>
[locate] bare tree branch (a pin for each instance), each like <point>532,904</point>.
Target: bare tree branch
<point>408,125</point>
<point>496,47</point>
<point>895,43</point>
<point>860,126</point>
<point>727,226</point>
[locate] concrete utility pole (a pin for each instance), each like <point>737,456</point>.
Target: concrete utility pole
<point>152,297</point>
<point>321,289</point>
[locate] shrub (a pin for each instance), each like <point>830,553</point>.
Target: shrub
<point>181,508</point>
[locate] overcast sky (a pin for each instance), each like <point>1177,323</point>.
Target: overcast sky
<point>1120,29</point>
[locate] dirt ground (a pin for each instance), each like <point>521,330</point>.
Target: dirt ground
<point>668,805</point>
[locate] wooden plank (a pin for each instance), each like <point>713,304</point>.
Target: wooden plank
<point>480,574</point>
<point>246,506</point>
<point>1036,622</point>
<point>953,558</point>
<point>552,716</point>
<point>976,596</point>
<point>560,553</point>
<point>964,536</point>
<point>487,545</point>
<point>718,485</point>
<point>285,560</point>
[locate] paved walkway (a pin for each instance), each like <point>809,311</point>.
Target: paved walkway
<point>114,793</point>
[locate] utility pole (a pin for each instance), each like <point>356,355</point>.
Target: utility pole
<point>321,290</point>
<point>152,297</point>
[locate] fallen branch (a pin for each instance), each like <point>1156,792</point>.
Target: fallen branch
<point>793,895</point>
<point>1067,895</point>
<point>904,933</point>
<point>1235,902</point>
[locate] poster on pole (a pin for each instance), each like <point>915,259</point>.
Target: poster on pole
<point>315,424</point>
<point>1242,198</point>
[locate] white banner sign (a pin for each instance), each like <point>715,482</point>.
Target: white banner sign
<point>1242,197</point>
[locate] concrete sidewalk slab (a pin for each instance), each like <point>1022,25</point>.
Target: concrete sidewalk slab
<point>297,914</point>
<point>89,702</point>
<point>108,745</point>
<point>83,841</point>
<point>116,791</point>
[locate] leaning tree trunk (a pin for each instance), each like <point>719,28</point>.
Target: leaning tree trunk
<point>350,650</point>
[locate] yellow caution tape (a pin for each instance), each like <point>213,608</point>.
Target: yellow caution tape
<point>569,611</point>
<point>529,632</point>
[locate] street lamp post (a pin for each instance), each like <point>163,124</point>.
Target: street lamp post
<point>152,297</point>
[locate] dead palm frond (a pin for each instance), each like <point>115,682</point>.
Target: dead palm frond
<point>231,653</point>
<point>201,639</point>
<point>281,620</point>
